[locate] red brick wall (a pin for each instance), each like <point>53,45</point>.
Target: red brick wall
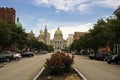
<point>7,14</point>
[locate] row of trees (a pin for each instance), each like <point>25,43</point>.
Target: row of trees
<point>11,34</point>
<point>104,32</point>
<point>36,45</point>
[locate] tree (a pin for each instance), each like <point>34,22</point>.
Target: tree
<point>95,38</point>
<point>50,48</point>
<point>117,12</point>
<point>75,46</point>
<point>113,25</point>
<point>12,35</point>
<point>34,44</point>
<point>4,34</point>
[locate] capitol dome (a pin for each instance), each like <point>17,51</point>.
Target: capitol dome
<point>18,24</point>
<point>58,32</point>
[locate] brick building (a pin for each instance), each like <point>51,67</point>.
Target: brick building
<point>77,35</point>
<point>7,14</point>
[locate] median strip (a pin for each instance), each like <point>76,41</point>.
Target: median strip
<point>80,74</point>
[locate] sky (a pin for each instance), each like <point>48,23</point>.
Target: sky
<point>69,15</point>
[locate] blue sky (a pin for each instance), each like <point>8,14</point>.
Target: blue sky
<point>69,15</point>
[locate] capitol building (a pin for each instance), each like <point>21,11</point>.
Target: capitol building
<point>58,42</point>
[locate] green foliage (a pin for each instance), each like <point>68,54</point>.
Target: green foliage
<point>4,34</point>
<point>59,63</point>
<point>50,48</point>
<point>37,45</point>
<point>117,12</point>
<point>10,34</point>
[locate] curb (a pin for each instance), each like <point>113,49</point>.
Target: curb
<point>35,78</point>
<point>84,78</point>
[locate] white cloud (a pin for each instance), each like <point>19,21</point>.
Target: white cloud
<point>83,8</point>
<point>109,3</point>
<point>63,5</point>
<point>39,2</point>
<point>77,5</point>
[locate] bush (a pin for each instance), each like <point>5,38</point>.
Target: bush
<point>59,63</point>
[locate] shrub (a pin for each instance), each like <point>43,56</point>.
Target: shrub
<point>59,63</point>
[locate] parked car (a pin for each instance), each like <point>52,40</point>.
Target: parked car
<point>28,54</point>
<point>44,52</point>
<point>101,56</point>
<point>16,55</point>
<point>107,57</point>
<point>6,56</point>
<point>92,56</point>
<point>114,59</point>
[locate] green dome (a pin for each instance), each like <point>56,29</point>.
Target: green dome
<point>58,31</point>
<point>18,23</point>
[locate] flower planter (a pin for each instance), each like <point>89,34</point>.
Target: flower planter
<point>59,67</point>
<point>73,75</point>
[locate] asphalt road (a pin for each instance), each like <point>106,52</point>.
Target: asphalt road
<point>27,68</point>
<point>24,69</point>
<point>97,70</point>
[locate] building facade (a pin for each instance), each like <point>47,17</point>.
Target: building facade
<point>58,42</point>
<point>69,39</point>
<point>77,35</point>
<point>44,36</point>
<point>7,15</point>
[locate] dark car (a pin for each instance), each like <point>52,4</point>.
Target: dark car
<point>102,56</point>
<point>28,54</point>
<point>114,59</point>
<point>6,56</point>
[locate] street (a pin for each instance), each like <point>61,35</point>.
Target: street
<point>27,68</point>
<point>24,69</point>
<point>97,70</point>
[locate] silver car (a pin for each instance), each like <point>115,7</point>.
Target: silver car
<point>16,55</point>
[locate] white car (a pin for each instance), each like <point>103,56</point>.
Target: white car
<point>16,56</point>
